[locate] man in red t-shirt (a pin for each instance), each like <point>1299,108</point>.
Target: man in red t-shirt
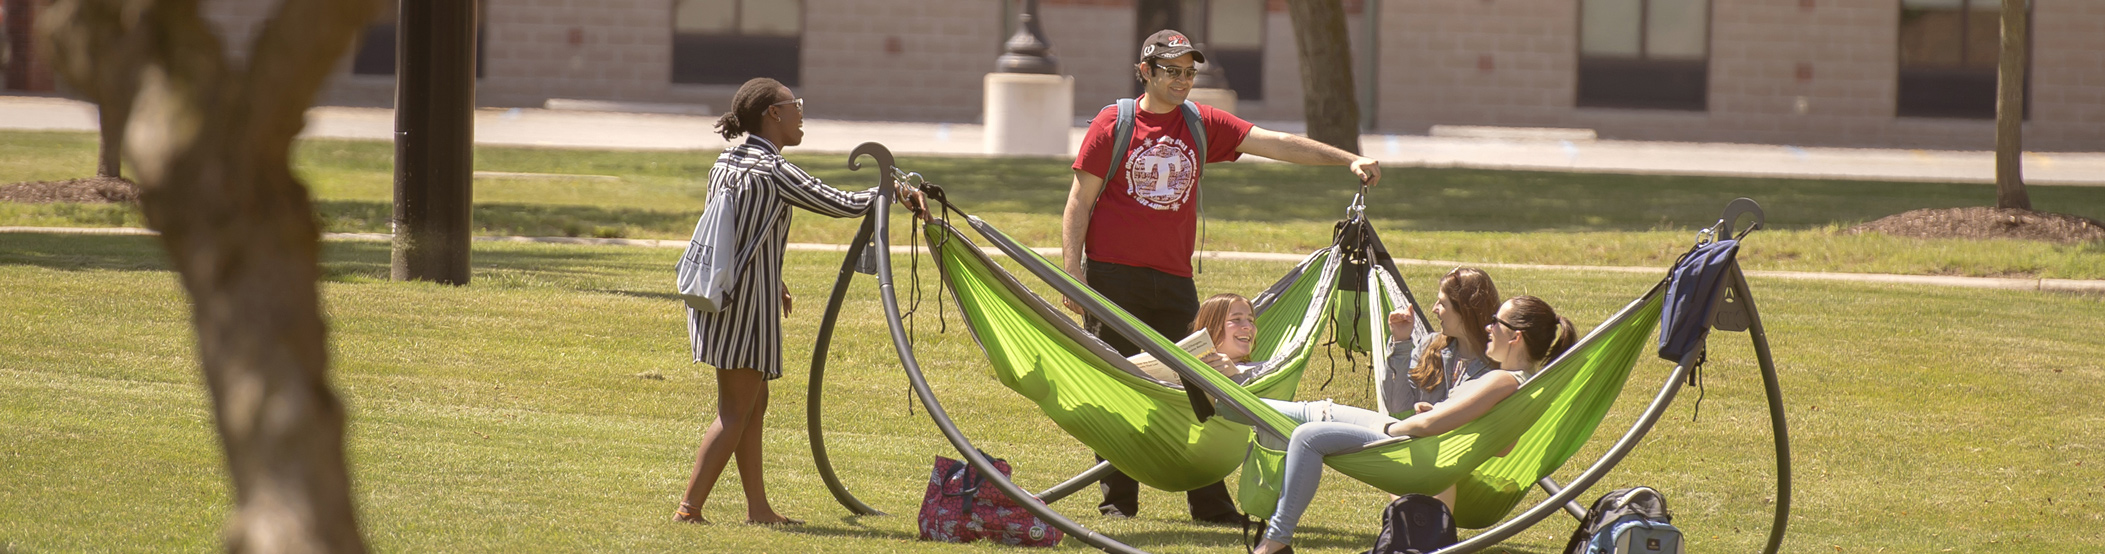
<point>1136,223</point>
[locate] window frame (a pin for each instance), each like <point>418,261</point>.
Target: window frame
<point>1932,84</point>
<point>733,57</point>
<point>1244,67</point>
<point>1604,81</point>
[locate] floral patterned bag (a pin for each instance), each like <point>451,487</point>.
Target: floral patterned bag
<point>953,510</point>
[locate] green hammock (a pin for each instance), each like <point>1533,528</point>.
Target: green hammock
<point>1547,421</point>
<point>1143,426</point>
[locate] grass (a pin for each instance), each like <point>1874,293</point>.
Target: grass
<point>1452,214</point>
<point>549,406</point>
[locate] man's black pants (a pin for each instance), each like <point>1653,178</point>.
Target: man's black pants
<point>1166,303</point>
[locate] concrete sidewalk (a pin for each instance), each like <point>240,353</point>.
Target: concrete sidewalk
<point>611,130</point>
<point>2004,283</point>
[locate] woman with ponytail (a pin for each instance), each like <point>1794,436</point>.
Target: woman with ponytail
<point>743,341</point>
<point>1524,334</point>
<point>1424,371</point>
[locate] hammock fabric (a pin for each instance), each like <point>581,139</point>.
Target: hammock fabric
<point>1146,429</point>
<point>1548,420</point>
<point>1143,426</point>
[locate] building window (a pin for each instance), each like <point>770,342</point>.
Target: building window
<point>726,42</point>
<point>1644,54</point>
<point>1948,55</point>
<point>1234,40</point>
<point>376,46</point>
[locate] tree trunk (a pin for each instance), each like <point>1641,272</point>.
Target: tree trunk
<point>212,158</point>
<point>111,117</point>
<point>2010,109</point>
<point>1330,102</point>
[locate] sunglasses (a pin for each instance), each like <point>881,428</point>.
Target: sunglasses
<point>799,102</point>
<point>1177,72</point>
<point>1509,324</point>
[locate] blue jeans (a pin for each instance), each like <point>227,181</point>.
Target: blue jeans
<point>1325,428</point>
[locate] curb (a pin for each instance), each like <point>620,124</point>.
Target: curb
<point>2001,283</point>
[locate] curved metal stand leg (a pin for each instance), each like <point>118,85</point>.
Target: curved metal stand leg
<point>814,421</point>
<point>1776,421</point>
<point>1075,484</point>
<point>1593,474</point>
<point>912,366</point>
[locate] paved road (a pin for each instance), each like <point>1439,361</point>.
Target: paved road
<point>584,129</point>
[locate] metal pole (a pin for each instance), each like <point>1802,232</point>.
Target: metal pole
<point>434,136</point>
<point>1370,65</point>
<point>1027,51</point>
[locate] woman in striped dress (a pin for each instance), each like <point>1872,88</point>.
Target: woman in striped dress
<point>744,340</point>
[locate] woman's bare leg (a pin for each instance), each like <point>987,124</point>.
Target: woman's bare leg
<point>751,464</point>
<point>738,392</point>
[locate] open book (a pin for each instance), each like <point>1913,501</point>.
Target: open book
<point>1199,344</point>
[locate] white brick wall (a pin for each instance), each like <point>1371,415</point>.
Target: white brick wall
<point>1433,73</point>
<point>1473,62</point>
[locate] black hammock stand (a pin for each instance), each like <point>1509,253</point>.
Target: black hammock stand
<point>1735,312</point>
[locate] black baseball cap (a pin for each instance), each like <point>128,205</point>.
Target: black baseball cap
<point>1167,43</point>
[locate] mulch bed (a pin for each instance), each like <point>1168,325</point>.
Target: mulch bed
<point>91,190</point>
<point>1988,223</point>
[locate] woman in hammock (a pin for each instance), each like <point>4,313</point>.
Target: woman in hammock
<point>1525,333</point>
<point>1232,323</point>
<point>1468,300</point>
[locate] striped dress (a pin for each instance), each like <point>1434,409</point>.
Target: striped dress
<point>747,334</point>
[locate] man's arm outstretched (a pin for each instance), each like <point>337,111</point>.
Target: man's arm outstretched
<point>1292,148</point>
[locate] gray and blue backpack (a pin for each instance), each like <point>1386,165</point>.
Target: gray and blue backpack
<point>1626,521</point>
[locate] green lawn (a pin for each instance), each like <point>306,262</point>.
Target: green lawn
<point>1451,214</point>
<point>549,407</point>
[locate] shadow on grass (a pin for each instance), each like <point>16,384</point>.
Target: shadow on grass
<point>349,261</point>
<point>856,529</point>
<point>643,295</point>
<point>1306,537</point>
<point>530,220</point>
<point>341,261</point>
<point>83,252</point>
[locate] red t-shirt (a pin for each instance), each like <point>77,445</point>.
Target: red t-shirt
<point>1154,224</point>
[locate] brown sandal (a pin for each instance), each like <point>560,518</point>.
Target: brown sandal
<point>689,514</point>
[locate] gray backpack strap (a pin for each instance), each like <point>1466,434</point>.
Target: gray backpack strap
<point>1121,137</point>
<point>1198,129</point>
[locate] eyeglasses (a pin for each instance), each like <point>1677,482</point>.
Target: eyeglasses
<point>1181,73</point>
<point>798,101</point>
<point>1509,324</point>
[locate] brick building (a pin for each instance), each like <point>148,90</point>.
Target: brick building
<point>1892,73</point>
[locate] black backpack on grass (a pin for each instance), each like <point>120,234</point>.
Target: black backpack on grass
<point>1415,524</point>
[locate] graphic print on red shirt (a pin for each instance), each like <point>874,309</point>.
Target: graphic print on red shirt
<point>1160,173</point>
<point>1146,216</point>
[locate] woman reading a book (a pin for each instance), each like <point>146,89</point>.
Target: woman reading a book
<point>1230,321</point>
